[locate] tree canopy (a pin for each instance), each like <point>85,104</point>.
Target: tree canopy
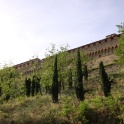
<point>47,64</point>
<point>120,50</point>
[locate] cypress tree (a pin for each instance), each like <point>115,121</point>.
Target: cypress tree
<point>106,84</point>
<point>0,91</point>
<point>85,73</point>
<point>1,87</point>
<point>33,87</point>
<point>54,87</point>
<point>8,94</point>
<point>28,86</point>
<point>48,89</point>
<point>38,89</point>
<point>70,79</point>
<point>79,76</point>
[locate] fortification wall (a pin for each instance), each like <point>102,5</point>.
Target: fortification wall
<point>102,50</point>
<point>28,67</point>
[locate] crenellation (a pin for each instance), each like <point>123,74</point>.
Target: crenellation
<point>102,50</point>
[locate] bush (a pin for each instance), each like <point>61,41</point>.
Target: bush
<point>81,110</point>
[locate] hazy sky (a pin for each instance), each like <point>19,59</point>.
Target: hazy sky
<point>28,27</point>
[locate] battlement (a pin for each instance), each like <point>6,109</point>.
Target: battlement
<point>102,50</point>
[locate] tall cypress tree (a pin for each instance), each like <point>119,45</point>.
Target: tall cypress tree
<point>28,86</point>
<point>35,88</point>
<point>38,87</point>
<point>106,84</point>
<point>0,91</point>
<point>33,85</point>
<point>55,82</point>
<point>70,79</point>
<point>85,73</point>
<point>79,76</point>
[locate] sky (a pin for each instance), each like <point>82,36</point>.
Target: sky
<point>28,27</point>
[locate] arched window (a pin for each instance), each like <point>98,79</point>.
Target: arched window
<point>105,52</point>
<point>23,65</point>
<point>90,55</point>
<point>112,49</point>
<point>102,52</point>
<point>93,55</point>
<point>108,50</point>
<point>27,63</point>
<point>116,47</point>
<point>99,53</point>
<point>16,67</point>
<point>96,54</point>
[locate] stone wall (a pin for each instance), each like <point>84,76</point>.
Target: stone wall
<point>102,50</point>
<point>28,67</point>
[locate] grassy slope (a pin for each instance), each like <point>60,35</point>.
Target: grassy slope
<point>96,109</point>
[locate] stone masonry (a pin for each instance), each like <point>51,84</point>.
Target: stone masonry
<point>102,50</point>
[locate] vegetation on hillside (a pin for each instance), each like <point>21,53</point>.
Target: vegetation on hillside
<point>95,109</point>
<point>120,50</point>
<point>21,100</point>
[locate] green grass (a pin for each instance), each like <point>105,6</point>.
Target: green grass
<point>95,109</point>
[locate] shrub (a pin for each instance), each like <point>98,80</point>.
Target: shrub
<point>81,110</point>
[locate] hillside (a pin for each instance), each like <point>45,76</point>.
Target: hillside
<point>95,109</point>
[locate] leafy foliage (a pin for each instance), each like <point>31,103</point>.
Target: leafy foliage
<point>95,109</point>
<point>81,110</point>
<point>47,65</point>
<point>120,50</point>
<point>121,27</point>
<point>11,83</point>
